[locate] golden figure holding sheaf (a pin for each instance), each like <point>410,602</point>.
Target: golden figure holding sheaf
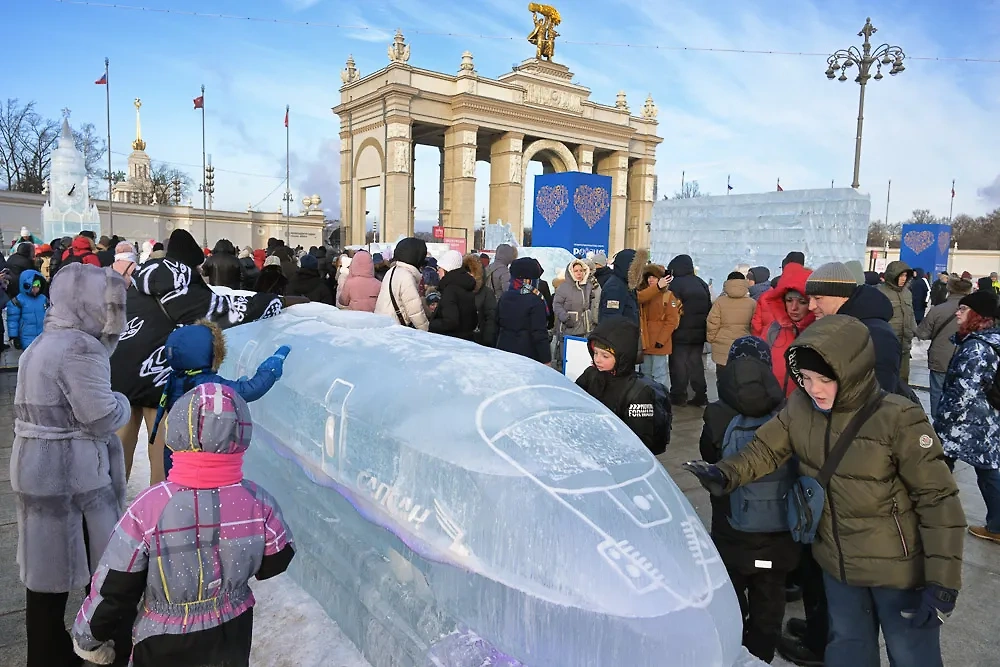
<point>546,18</point>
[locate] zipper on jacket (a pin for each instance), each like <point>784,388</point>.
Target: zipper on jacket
<point>833,507</point>
<point>899,528</point>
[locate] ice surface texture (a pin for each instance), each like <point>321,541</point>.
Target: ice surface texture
<point>828,225</point>
<point>449,500</point>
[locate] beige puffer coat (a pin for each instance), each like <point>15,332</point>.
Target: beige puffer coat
<point>729,318</point>
<point>403,279</point>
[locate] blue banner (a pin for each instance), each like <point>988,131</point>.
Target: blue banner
<point>572,210</point>
<point>926,247</point>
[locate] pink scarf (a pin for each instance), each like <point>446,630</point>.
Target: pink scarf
<point>202,470</point>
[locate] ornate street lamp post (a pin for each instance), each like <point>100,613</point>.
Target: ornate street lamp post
<point>844,59</point>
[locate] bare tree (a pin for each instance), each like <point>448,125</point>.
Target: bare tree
<point>690,190</point>
<point>162,178</point>
<point>27,140</point>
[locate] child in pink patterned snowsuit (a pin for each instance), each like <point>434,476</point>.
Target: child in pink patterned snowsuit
<point>187,548</point>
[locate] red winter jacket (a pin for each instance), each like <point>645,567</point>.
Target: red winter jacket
<point>82,248</point>
<point>771,322</point>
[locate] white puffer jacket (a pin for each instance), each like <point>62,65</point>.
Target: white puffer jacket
<point>403,280</point>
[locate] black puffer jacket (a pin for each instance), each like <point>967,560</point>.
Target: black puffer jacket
<point>695,298</point>
<point>874,309</point>
<point>248,273</point>
<point>456,313</point>
<point>20,261</point>
<point>309,284</point>
<point>222,269</point>
<point>748,387</point>
<point>613,388</point>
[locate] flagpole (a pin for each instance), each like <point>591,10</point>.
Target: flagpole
<point>204,192</point>
<point>288,192</point>
<point>951,208</point>
<point>728,187</point>
<point>107,108</point>
<point>888,192</point>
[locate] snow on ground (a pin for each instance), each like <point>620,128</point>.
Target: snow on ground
<point>290,629</point>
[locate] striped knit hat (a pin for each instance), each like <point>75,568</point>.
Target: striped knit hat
<point>831,279</point>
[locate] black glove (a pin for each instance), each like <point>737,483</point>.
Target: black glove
<point>16,342</point>
<point>713,479</point>
<point>936,605</point>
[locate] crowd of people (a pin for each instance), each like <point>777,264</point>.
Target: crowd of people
<point>814,402</point>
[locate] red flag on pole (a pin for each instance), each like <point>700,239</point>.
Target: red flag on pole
<point>199,102</point>
<point>952,190</point>
<point>103,81</point>
<point>780,189</point>
<point>286,116</point>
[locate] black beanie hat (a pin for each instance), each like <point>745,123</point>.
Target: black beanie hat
<point>982,303</point>
<point>801,358</point>
<point>794,257</point>
<point>183,248</point>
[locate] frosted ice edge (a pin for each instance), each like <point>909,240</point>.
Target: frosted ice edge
<point>410,517</point>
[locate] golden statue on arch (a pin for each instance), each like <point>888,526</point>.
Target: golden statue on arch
<point>546,18</point>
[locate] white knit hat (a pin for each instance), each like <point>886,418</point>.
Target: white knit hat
<point>450,260</point>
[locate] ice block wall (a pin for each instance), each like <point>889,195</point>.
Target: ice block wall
<point>457,506</point>
<point>828,225</point>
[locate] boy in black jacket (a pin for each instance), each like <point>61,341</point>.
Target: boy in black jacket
<point>613,346</point>
<point>757,562</point>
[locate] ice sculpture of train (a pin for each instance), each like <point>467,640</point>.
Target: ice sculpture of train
<point>458,506</point>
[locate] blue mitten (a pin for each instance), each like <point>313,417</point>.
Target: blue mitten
<point>276,362</point>
<point>713,479</point>
<point>936,605</point>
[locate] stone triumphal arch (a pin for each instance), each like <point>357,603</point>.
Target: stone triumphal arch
<point>535,111</point>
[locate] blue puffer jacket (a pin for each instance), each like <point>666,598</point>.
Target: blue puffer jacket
<point>969,427</point>
<point>195,352</point>
<point>26,313</point>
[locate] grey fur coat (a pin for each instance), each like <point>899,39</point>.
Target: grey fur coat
<point>67,465</point>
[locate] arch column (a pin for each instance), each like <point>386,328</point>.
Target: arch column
<point>640,203</point>
<point>459,200</point>
<point>507,182</point>
<point>615,165</point>
<point>398,180</point>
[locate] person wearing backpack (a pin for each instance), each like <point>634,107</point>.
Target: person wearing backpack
<point>968,414</point>
<point>498,274</point>
<point>750,525</point>
<point>639,402</point>
<point>886,523</point>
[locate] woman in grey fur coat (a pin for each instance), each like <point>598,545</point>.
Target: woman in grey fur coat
<point>67,468</point>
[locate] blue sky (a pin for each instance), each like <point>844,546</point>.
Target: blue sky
<point>754,118</point>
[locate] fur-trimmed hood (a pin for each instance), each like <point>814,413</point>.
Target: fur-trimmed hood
<point>474,266</point>
<point>568,275</point>
<point>657,270</point>
<point>197,347</point>
<point>637,269</point>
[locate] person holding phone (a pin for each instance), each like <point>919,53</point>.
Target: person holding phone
<point>659,315</point>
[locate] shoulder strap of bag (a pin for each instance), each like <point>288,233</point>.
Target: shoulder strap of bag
<point>392,298</point>
<point>846,438</point>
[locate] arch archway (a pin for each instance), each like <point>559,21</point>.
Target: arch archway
<point>558,155</point>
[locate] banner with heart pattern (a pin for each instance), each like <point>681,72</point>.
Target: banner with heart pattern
<point>551,202</point>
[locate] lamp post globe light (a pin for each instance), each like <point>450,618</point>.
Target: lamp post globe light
<point>844,59</point>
